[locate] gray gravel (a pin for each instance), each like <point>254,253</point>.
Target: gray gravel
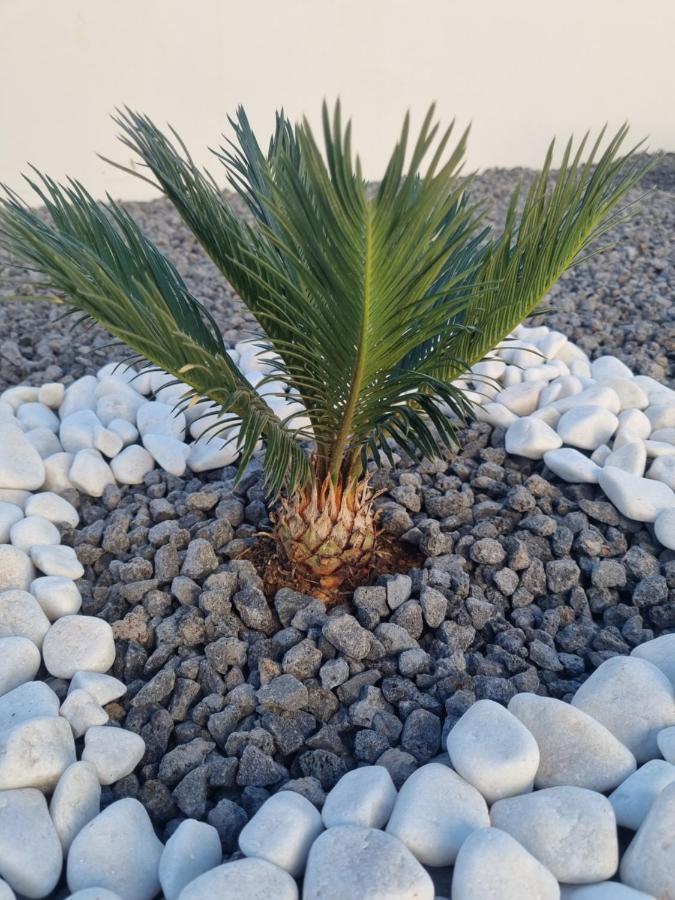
<point>619,302</point>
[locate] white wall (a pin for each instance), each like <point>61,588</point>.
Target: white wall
<point>521,70</point>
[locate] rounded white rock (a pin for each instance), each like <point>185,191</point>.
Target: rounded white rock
<point>521,399</point>
<point>212,454</point>
<point>574,748</point>
<point>168,452</point>
<point>117,850</point>
<point>609,367</point>
<point>531,438</point>
<point>570,830</point>
<point>30,850</point>
<point>350,862</point>
<point>649,862</point>
<point>253,879</point>
<point>107,442</point>
<point>666,743</point>
<point>52,507</point>
<point>78,643</point>
<point>491,865</point>
<point>57,467</point>
<point>36,415</point>
<point>154,417</point>
<point>34,531</point>
<point>52,394</point>
<point>596,395</point>
<point>45,442</point>
<point>193,848</point>
<point>637,498</point>
<point>660,652</point>
<point>364,796</point>
<point>76,800</point>
<point>10,514</point>
<point>19,662</point>
<point>125,430</point>
<point>16,569</point>
<point>282,831</point>
<point>32,700</point>
<point>664,528</point>
<point>35,753</point>
<point>114,752</point>
<point>572,466</point>
<point>132,465</point>
<point>663,469</point>
<point>631,395</point>
<point>602,890</point>
<point>495,414</point>
<point>493,751</point>
<point>82,712</point>
<point>57,560</point>
<point>57,596</point>
<point>633,799</point>
<point>434,813</point>
<point>103,688</point>
<point>661,416</point>
<point>633,699</point>
<point>586,427</point>
<point>78,430</point>
<point>22,616</point>
<point>630,457</point>
<point>81,394</point>
<point>21,466</point>
<point>90,473</point>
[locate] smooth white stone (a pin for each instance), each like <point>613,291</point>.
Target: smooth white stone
<point>572,466</point>
<point>522,399</point>
<point>52,507</point>
<point>489,368</point>
<point>634,422</point>
<point>118,386</point>
<point>45,442</point>
<point>493,751</point>
<point>570,830</point>
<point>132,465</point>
<point>551,345</point>
<point>158,379</point>
<point>34,531</point>
<point>117,850</point>
<point>198,409</point>
<point>591,396</point>
<point>633,699</point>
<point>57,596</point>
<point>108,442</point>
<point>22,616</point>
<point>660,652</point>
<point>123,405</point>
<point>663,469</point>
<point>52,394</point>
<point>435,812</point>
<point>61,560</point>
<point>35,753</point>
<point>562,367</point>
<point>494,414</point>
<point>649,862</point>
<point>564,386</point>
<point>631,458</point>
<point>603,890</point>
<point>103,688</point>
<point>81,394</point>
<point>548,414</point>
<point>30,850</point>
<point>20,393</point>
<point>649,384</point>
<point>630,394</point>
<point>540,373</point>
<point>78,643</point>
<point>637,498</point>
<point>32,700</point>
<point>349,862</point>
<point>78,430</point>
<point>659,448</point>
<point>154,417</point>
<point>661,416</point>
<point>216,424</point>
<point>551,392</point>
<point>570,353</point>
<point>37,415</point>
<point>587,427</point>
<point>6,893</point>
<point>169,453</point>
<point>531,438</point>
<point>600,454</point>
<point>94,893</point>
<point>193,848</point>
<point>253,879</point>
<point>666,743</point>
<point>16,569</point>
<point>364,796</point>
<point>581,368</point>
<point>76,800</point>
<point>282,831</point>
<point>212,453</point>
<point>666,435</point>
<point>512,376</point>
<point>174,395</point>
<point>664,528</point>
<point>82,712</point>
<point>90,473</point>
<point>633,799</point>
<point>125,430</point>
<point>19,662</point>
<point>10,514</point>
<point>491,865</point>
<point>15,497</point>
<point>609,367</point>
<point>114,752</point>
<point>118,369</point>
<point>574,749</point>
<point>57,467</point>
<point>21,467</point>
<point>524,354</point>
<point>7,413</point>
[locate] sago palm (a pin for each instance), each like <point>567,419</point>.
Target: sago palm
<point>371,301</point>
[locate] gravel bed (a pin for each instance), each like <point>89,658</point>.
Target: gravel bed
<point>619,302</point>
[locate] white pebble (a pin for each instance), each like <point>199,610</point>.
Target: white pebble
<point>114,752</point>
<point>512,376</point>
<point>52,394</point>
<point>132,465</point>
<point>75,643</point>
<point>35,753</point>
<point>45,442</point>
<point>666,743</point>
<point>495,414</point>
<point>649,862</point>
<point>82,712</point>
<point>660,652</point>
<point>633,699</point>
<point>81,394</point>
<point>125,430</point>
<point>50,506</point>
<point>600,454</point>
<point>282,831</point>
<point>531,438</point>
<point>663,469</point>
<point>21,467</point>
<point>631,395</point>
<point>16,569</point>
<point>572,466</point>
<point>117,850</point>
<point>661,416</point>
<point>168,452</point>
<point>637,498</point>
<point>19,662</point>
<point>108,442</point>
<point>57,560</point>
<point>635,422</point>
<point>609,367</point>
<point>15,497</point>
<point>522,399</point>
<point>663,434</point>
<point>349,862</point>
<point>602,890</point>
<point>491,865</point>
<point>90,473</point>
<point>37,415</point>
<point>212,453</point>
<point>21,616</point>
<point>57,596</point>
<point>253,879</point>
<point>435,812</point>
<point>78,431</point>
<point>586,427</point>
<point>364,796</point>
<point>154,417</point>
<point>32,700</point>
<point>76,800</point>
<point>633,799</point>
<point>10,514</point>
<point>570,830</point>
<point>596,395</point>
<point>193,848</point>
<point>57,467</point>
<point>657,449</point>
<point>664,528</point>
<point>103,688</point>
<point>34,531</point>
<point>30,850</point>
<point>630,457</point>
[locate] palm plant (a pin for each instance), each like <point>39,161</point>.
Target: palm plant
<point>371,301</point>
